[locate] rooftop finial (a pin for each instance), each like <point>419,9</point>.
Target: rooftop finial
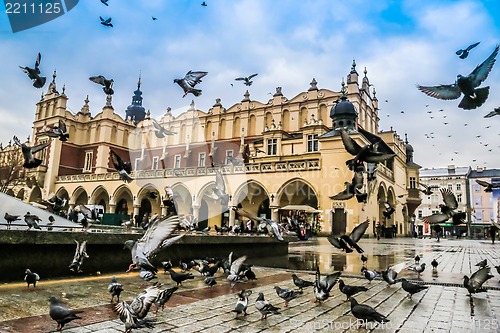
<point>54,76</point>
<point>139,82</point>
<point>406,138</point>
<point>365,71</point>
<point>343,90</point>
<point>353,66</point>
<point>313,85</point>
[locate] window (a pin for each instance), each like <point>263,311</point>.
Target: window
<point>477,188</point>
<point>154,164</point>
<point>450,187</point>
<point>459,198</point>
<point>43,153</point>
<point>420,215</point>
<point>87,164</point>
<point>137,163</point>
<point>272,146</point>
<point>434,199</point>
<point>201,159</point>
<point>459,187</point>
<point>229,154</point>
<point>312,142</point>
<point>413,182</point>
<point>177,161</point>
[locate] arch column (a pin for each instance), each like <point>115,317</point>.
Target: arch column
<point>274,213</point>
<point>111,208</point>
<point>196,211</point>
<point>136,210</point>
<point>232,216</point>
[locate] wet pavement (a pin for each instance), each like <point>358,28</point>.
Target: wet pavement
<point>443,307</point>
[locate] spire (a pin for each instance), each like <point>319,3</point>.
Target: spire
<point>353,67</point>
<point>85,108</point>
<point>343,91</point>
<point>52,85</point>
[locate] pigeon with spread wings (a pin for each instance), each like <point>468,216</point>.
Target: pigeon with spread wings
<point>348,242</point>
<point>157,236</point>
<point>488,187</point>
<point>107,84</point>
<point>368,153</point>
<point>57,131</point>
<point>247,80</point>
<point>220,190</point>
<point>468,85</point>
<point>448,210</point>
<point>133,315</point>
<point>474,284</point>
<point>275,227</point>
<point>462,54</point>
<point>161,131</point>
<point>322,287</point>
<point>190,80</point>
<point>123,168</point>
<point>427,188</point>
<point>34,73</point>
<point>106,22</point>
<point>30,161</point>
<point>80,254</point>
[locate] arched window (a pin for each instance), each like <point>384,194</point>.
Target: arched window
<point>222,131</point>
<point>285,120</point>
<point>251,125</point>
<point>236,128</point>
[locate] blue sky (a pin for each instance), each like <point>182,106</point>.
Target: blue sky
<point>401,43</point>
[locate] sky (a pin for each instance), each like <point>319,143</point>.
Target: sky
<point>287,42</point>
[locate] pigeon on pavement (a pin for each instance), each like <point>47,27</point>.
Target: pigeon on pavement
<point>157,236</point>
<point>61,314</point>
<point>133,315</point>
<point>30,161</point>
<point>468,85</point>
<point>163,297</point>
<point>190,80</point>
<point>115,289</point>
<point>34,73</point>
<point>265,308</point>
<point>287,294</point>
<point>147,275</point>
<point>247,80</point>
<point>462,54</point>
<point>350,290</point>
<point>369,274</point>
<point>242,303</point>
<point>434,264</point>
<point>180,277</point>
<point>210,281</point>
<point>235,269</point>
<point>366,313</point>
<point>419,268</point>
<point>474,284</point>
<point>31,278</point>
<point>300,283</point>
<point>107,84</point>
<point>411,288</point>
<point>322,287</point>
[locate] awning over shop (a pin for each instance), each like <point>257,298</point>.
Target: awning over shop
<point>306,208</point>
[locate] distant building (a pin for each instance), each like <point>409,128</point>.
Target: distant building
<point>453,178</point>
<point>296,158</point>
<point>484,205</point>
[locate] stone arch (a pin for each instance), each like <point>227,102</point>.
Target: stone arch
<point>208,131</point>
<point>195,132</point>
<point>252,124</point>
<point>79,196</point>
<point>222,130</point>
<point>35,195</point>
<point>10,192</point>
<point>20,194</point>
<point>381,199</point>
<point>285,120</point>
<point>253,197</point>
<point>184,201</point>
<point>302,116</point>
<point>182,134</point>
<point>123,200</point>
<point>149,199</point>
<point>268,119</point>
<point>210,209</point>
<point>100,196</point>
<point>323,114</point>
<point>236,127</point>
<point>297,191</point>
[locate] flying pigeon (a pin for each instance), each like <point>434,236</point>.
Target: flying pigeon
<point>389,210</point>
<point>247,80</point>
<point>322,287</point>
<point>105,2</point>
<point>161,131</point>
<point>123,168</point>
<point>368,153</point>
<point>287,294</point>
<point>115,289</point>
<point>488,186</point>
<point>30,161</point>
<point>242,303</point>
<point>106,22</point>
<point>80,254</point>
<point>390,276</point>
<point>180,277</point>
<point>265,308</point>
<point>427,188</point>
<point>31,278</point>
<point>56,203</point>
<point>32,221</point>
<point>348,242</point>
<point>154,18</point>
<point>474,284</point>
<point>235,269</point>
<point>448,210</point>
<point>133,315</point>
<point>57,131</point>
<point>473,96</point>
<point>204,4</point>
<point>190,80</point>
<point>350,290</point>
<point>275,227</point>
<point>462,54</point>
<point>482,263</point>
<point>220,190</point>
<point>34,73</point>
<point>495,112</point>
<point>107,84</point>
<point>366,313</point>
<point>163,297</point>
<point>61,314</point>
<point>364,259</point>
<point>156,237</point>
<point>11,218</point>
<point>411,288</point>
<point>300,283</point>
<point>353,188</point>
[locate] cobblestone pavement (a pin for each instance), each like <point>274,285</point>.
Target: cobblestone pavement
<point>443,307</point>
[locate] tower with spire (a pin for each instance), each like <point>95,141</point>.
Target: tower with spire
<point>135,112</point>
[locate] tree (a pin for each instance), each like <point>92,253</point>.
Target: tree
<point>12,172</point>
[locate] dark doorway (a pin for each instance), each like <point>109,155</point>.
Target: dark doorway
<point>145,209</point>
<point>122,207</point>
<point>339,218</point>
<point>264,209</point>
<point>203,215</point>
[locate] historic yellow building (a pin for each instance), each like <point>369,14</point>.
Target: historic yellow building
<point>296,157</point>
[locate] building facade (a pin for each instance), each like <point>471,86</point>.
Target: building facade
<point>296,157</point>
